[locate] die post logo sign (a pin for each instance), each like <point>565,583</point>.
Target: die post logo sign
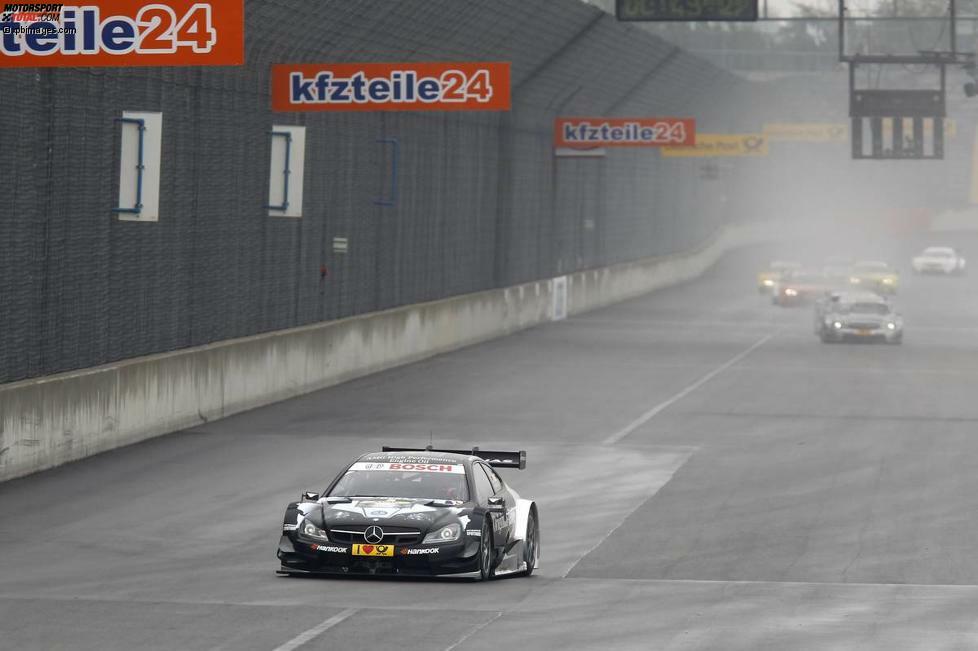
<point>102,33</point>
<point>458,86</point>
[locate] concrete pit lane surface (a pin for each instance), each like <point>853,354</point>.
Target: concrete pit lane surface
<point>709,476</point>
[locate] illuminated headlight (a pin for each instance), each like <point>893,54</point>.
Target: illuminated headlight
<point>837,325</point>
<point>891,326</point>
<point>887,281</point>
<point>447,534</point>
<point>854,280</point>
<point>791,292</point>
<point>768,282</point>
<point>312,531</point>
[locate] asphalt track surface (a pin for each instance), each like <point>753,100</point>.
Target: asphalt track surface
<point>709,476</point>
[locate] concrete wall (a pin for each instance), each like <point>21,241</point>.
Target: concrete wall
<point>49,421</point>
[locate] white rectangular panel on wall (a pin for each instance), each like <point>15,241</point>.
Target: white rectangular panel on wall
<point>286,172</point>
<point>139,166</point>
<point>558,310</point>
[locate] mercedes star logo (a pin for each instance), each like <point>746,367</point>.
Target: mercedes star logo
<point>373,534</point>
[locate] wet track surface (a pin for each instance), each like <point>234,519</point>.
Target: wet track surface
<point>709,475</point>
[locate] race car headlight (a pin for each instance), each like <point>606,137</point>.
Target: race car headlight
<point>854,280</point>
<point>768,282</point>
<point>887,281</point>
<point>891,326</point>
<point>791,292</point>
<point>837,325</point>
<point>446,534</point>
<point>312,531</point>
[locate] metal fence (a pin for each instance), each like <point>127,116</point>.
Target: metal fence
<point>482,201</point>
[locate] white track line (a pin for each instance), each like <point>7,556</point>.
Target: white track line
<point>655,411</point>
<point>313,632</point>
<point>474,631</point>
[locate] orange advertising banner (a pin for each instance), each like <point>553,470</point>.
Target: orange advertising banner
<point>587,133</point>
<point>116,33</point>
<point>456,86</point>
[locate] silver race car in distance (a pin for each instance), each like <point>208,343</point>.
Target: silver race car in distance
<point>857,316</point>
<point>939,260</point>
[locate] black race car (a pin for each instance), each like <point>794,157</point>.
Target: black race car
<point>414,512</point>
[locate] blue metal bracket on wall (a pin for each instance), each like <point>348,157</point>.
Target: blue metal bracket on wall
<point>286,172</point>
<point>140,166</point>
<point>396,153</point>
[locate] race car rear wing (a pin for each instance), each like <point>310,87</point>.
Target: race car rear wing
<point>495,458</point>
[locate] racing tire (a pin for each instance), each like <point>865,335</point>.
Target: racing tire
<point>897,341</point>
<point>531,546</point>
<point>487,568</point>
<point>824,336</point>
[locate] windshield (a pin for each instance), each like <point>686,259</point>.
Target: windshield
<point>865,308</point>
<point>422,481</point>
<point>871,266</point>
<point>806,279</point>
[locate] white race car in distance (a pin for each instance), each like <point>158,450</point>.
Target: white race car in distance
<point>940,260</point>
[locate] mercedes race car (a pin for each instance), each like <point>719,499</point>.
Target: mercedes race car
<point>415,512</point>
<point>939,260</point>
<point>874,276</point>
<point>800,287</point>
<point>857,316</point>
<point>767,279</point>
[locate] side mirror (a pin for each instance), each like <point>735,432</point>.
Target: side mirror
<point>309,496</point>
<point>496,505</point>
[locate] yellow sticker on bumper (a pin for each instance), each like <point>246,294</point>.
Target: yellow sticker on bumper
<point>373,550</point>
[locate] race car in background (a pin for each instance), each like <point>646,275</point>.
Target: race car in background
<point>415,512</point>
<point>836,270</point>
<point>874,276</point>
<point>767,279</point>
<point>800,287</point>
<point>939,260</point>
<point>857,316</point>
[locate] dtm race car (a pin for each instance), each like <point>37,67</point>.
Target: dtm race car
<point>415,512</point>
<point>857,316</point>
<point>874,276</point>
<point>800,287</point>
<point>939,260</point>
<point>767,279</point>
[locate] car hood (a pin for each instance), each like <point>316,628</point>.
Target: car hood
<point>392,511</point>
<point>875,275</point>
<point>926,259</point>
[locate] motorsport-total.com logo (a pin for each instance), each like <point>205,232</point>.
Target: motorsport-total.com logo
<point>30,13</point>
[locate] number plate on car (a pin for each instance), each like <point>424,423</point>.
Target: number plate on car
<point>373,550</point>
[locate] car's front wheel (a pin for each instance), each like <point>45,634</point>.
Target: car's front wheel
<point>531,546</point>
<point>486,569</point>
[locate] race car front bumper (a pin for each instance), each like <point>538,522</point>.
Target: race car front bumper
<point>454,559</point>
<point>862,334</point>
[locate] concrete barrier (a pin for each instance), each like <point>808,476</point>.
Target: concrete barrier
<point>49,421</point>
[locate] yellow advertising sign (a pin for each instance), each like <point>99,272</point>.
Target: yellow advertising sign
<point>950,127</point>
<point>807,131</point>
<point>721,144</point>
<point>839,131</point>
